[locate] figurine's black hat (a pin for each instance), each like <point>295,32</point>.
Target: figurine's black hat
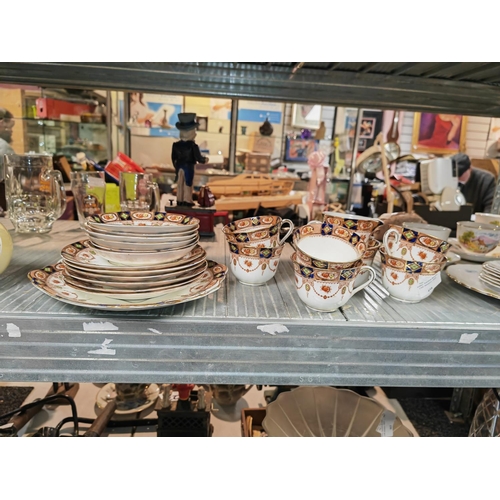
<point>187,121</point>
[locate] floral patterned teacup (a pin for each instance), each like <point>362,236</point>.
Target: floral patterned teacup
<point>329,244</point>
<point>364,226</point>
<point>409,281</point>
<point>254,266</point>
<point>408,244</point>
<point>326,290</point>
<point>263,231</point>
<point>372,248</point>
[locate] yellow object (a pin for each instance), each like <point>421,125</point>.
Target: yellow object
<point>112,203</point>
<point>6,247</point>
<point>339,164</point>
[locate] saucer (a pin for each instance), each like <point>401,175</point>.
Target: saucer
<point>473,257</point>
<point>50,280</point>
<point>452,258</point>
<point>107,394</point>
<point>467,275</point>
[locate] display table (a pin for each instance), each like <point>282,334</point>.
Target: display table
<point>373,340</point>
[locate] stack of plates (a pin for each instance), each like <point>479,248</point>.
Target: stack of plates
<point>490,274</point>
<point>142,238</point>
<point>132,260</point>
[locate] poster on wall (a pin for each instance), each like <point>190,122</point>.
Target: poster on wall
<point>300,149</point>
<point>493,143</point>
<point>153,115</point>
<point>258,111</point>
<point>371,125</point>
<point>306,116</point>
<point>220,109</point>
<point>439,134</point>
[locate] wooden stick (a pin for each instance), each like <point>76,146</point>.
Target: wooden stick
<point>100,423</point>
<point>388,189</point>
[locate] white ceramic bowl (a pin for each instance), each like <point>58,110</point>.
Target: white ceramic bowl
<point>485,218</point>
<point>139,237</point>
<point>144,246</point>
<point>142,258</point>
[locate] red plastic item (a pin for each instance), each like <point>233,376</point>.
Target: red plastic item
<point>184,390</point>
<point>52,109</point>
<point>122,163</point>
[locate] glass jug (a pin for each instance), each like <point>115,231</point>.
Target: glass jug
<point>34,191</point>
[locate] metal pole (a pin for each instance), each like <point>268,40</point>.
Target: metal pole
<point>353,161</point>
<point>332,141</point>
<point>126,117</point>
<point>109,124</point>
<point>232,135</point>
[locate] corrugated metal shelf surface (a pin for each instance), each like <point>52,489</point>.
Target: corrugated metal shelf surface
<point>373,340</point>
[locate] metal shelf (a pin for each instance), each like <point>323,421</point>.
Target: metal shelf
<point>373,340</point>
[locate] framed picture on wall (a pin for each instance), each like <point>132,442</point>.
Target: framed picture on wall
<point>438,133</point>
<point>306,116</point>
<point>299,149</point>
<point>367,128</point>
<point>202,123</point>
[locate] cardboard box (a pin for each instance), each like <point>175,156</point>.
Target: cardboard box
<point>251,422</point>
<point>47,108</point>
<point>258,162</point>
<point>261,143</point>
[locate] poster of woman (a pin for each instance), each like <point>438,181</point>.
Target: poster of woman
<point>439,134</point>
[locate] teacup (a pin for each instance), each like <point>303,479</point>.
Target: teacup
<point>409,281</point>
<point>305,260</point>
<point>372,248</point>
<point>408,244</point>
<point>478,237</point>
<point>327,243</point>
<point>441,232</point>
<point>485,218</point>
<point>254,266</point>
<point>364,226</point>
<point>326,290</point>
<point>262,231</point>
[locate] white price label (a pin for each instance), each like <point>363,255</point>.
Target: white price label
<point>386,426</point>
<point>428,286</point>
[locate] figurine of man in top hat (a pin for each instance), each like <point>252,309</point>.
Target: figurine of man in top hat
<point>185,155</point>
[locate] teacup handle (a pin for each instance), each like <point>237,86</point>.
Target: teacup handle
<point>60,192</point>
<point>289,232</point>
<point>156,195</point>
<point>370,279</point>
<point>390,231</point>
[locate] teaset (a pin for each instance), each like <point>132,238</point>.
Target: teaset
<point>141,258</point>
